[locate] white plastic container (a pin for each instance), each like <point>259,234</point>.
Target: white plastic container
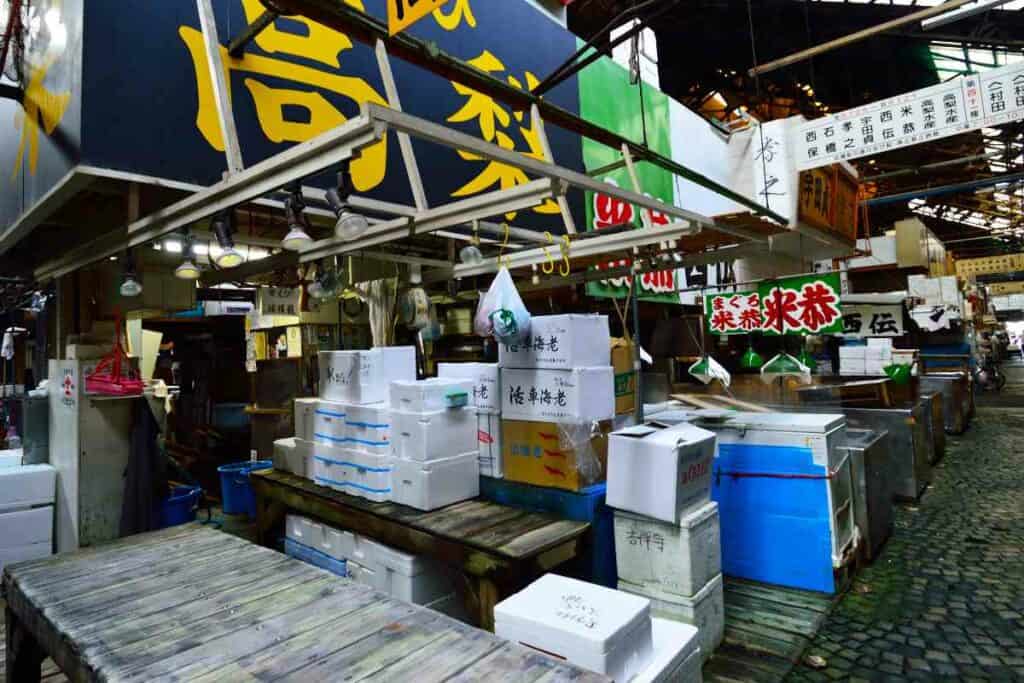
<point>676,656</point>
<point>668,559</point>
<point>705,610</point>
<point>411,578</point>
<point>591,626</point>
<point>27,486</point>
<point>430,436</point>
<point>561,342</point>
<point>436,483</point>
<point>368,428</point>
<point>488,436</point>
<point>26,527</point>
<point>576,395</point>
<point>660,472</point>
<point>430,395</point>
<point>329,423</point>
<point>484,378</point>
<point>305,408</point>
<point>364,376</point>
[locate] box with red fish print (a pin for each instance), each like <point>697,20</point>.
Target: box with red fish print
<point>564,455</point>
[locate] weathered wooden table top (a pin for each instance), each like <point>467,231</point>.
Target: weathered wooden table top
<point>192,603</point>
<point>511,533</point>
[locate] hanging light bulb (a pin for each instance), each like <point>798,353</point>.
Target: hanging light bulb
<point>228,257</point>
<point>130,286</point>
<point>470,255</point>
<point>297,237</point>
<point>188,270</point>
<point>350,224</point>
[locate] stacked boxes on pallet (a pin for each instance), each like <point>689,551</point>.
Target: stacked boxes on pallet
<point>667,540</point>
<point>486,399</point>
<point>26,512</point>
<point>558,401</point>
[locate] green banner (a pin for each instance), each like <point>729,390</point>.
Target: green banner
<point>608,99</point>
<point>801,305</point>
<point>733,313</point>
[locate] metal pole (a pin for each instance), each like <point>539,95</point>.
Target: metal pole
<point>247,35</point>
<point>637,363</point>
<point>856,37</point>
<point>943,189</point>
<point>930,167</point>
<point>221,89</point>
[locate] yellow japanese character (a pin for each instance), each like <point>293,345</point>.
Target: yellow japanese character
<point>319,43</point>
<point>451,20</point>
<point>41,106</point>
<point>368,169</point>
<point>480,106</point>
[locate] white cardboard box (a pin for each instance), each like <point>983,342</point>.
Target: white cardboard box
<point>329,422</point>
<point>706,611</point>
<point>660,472</point>
<point>368,428</point>
<point>305,408</point>
<point>591,626</point>
<point>364,376</point>
<point>21,553</point>
<point>435,435</point>
<point>27,486</point>
<point>26,527</point>
<point>436,483</point>
<point>676,656</point>
<point>430,395</point>
<point>578,395</point>
<point>485,379</point>
<point>669,559</point>
<point>561,342</point>
<point>488,435</point>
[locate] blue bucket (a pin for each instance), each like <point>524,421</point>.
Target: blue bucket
<point>236,491</point>
<point>180,507</point>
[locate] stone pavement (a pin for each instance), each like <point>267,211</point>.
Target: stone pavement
<point>945,600</point>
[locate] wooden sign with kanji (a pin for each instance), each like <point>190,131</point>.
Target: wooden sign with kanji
<point>404,13</point>
<point>801,305</point>
<point>735,313</point>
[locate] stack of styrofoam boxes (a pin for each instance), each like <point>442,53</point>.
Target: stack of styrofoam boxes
<point>555,386</point>
<point>667,540</point>
<point>486,398</point>
<point>877,356</point>
<point>853,360</point>
<point>26,512</point>
<point>294,455</point>
<point>352,421</point>
<point>383,568</point>
<point>434,443</point>
<point>606,631</point>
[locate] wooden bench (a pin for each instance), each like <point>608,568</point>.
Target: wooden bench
<point>191,603</point>
<point>497,548</point>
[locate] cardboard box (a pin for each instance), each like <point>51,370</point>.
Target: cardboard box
<point>559,455</point>
<point>488,435</point>
<point>429,395</point>
<point>623,359</point>
<point>364,376</point>
<point>581,394</point>
<point>484,377</point>
<point>660,472</point>
<point>560,342</point>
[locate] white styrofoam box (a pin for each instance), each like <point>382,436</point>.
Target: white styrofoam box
<point>877,353</point>
<point>364,376</point>
<point>368,428</point>
<point>560,342</point>
<point>488,436</point>
<point>485,379</point>
<point>26,486</point>
<point>412,578</point>
<point>577,395</point>
<point>293,455</point>
<point>329,422</point>
<point>11,457</point>
<point>705,610</point>
<point>304,417</point>
<point>436,483</point>
<point>876,368</point>
<point>879,342</point>
<point>364,551</point>
<point>26,527</point>
<point>430,395</point>
<point>660,471</point>
<point>855,367</point>
<point>338,543</point>
<point>434,435</point>
<point>367,576</point>
<point>676,654</point>
<point>667,558</point>
<point>22,553</point>
<point>852,352</point>
<point>356,473</point>
<point>926,288</point>
<point>298,529</point>
<point>591,626</point>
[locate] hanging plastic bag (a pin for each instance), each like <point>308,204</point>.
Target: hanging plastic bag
<point>707,369</point>
<point>501,312</point>
<point>785,365</point>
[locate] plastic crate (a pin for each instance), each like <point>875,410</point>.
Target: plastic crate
<point>597,565</point>
<point>314,557</point>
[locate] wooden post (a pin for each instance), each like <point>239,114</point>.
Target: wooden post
<point>24,656</point>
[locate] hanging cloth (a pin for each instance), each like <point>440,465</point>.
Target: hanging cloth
<point>145,477</point>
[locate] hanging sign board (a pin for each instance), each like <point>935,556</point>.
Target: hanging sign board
<point>989,265</point>
<point>279,300</point>
<point>733,313</point>
<point>872,320</point>
<point>801,305</point>
<point>828,200</point>
<point>404,13</point>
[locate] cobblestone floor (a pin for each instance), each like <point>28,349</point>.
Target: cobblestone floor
<point>945,600</point>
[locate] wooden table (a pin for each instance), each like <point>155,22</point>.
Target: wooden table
<point>499,549</point>
<point>191,603</point>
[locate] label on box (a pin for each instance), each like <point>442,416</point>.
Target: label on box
<point>560,342</point>
<point>558,395</point>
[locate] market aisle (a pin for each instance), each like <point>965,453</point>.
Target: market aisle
<point>946,597</point>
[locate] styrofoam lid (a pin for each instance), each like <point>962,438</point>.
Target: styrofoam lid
<point>567,614</point>
<point>786,422</point>
<point>673,642</point>
<point>653,432</point>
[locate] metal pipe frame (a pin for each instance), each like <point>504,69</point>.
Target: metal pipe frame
<point>249,33</point>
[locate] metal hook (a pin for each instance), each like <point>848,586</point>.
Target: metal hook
<point>502,258</point>
<point>564,248</point>
<point>548,267</point>
<point>476,232</point>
